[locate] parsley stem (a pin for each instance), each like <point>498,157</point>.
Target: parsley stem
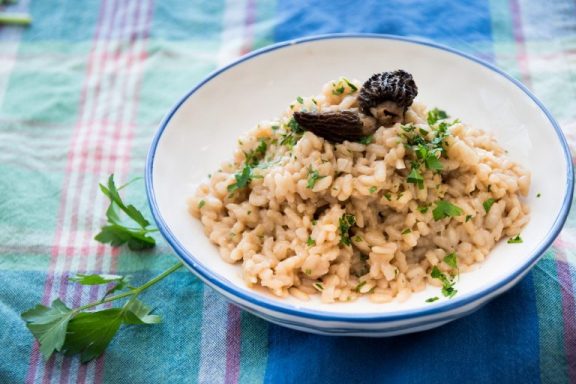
<point>133,292</point>
<point>15,19</point>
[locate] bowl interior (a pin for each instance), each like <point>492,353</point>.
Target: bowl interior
<point>203,131</point>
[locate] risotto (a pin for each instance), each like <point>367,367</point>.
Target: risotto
<point>414,203</point>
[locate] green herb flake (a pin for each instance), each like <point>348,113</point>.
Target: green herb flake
<point>313,177</point>
<point>415,177</point>
<point>408,128</point>
<point>310,242</point>
<point>445,209</point>
<point>242,178</point>
<point>345,223</point>
<point>357,239</point>
<point>318,286</point>
<point>448,289</point>
<point>359,286</point>
<point>366,140</point>
<point>338,91</point>
<point>275,127</point>
<point>201,203</point>
<point>451,259</point>
<point>515,240</point>
<point>406,231</point>
<point>488,204</point>
<point>432,299</point>
<point>308,271</point>
<point>372,189</point>
<point>468,218</point>
<point>352,86</point>
<point>314,222</point>
<point>538,194</point>
<point>423,208</point>
<point>435,115</point>
<point>388,196</point>
<point>300,100</point>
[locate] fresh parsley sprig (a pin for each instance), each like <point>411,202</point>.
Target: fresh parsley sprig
<point>59,328</point>
<point>85,331</point>
<point>116,232</point>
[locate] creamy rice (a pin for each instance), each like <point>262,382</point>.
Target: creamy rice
<point>285,216</point>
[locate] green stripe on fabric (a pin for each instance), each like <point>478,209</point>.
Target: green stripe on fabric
<point>264,27</point>
<point>551,326</point>
<point>253,349</point>
<point>30,201</point>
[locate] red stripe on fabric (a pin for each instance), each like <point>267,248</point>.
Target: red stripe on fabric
<point>568,308</point>
<point>233,338</point>
<point>248,27</point>
<point>93,130</point>
<point>35,354</point>
<point>522,55</point>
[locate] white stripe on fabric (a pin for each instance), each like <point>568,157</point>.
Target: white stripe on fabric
<point>233,31</point>
<point>213,343</point>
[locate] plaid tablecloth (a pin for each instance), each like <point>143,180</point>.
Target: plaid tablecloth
<point>81,93</point>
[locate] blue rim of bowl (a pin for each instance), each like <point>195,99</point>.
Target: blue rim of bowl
<point>375,317</point>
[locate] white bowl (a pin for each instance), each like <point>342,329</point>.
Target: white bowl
<point>202,128</point>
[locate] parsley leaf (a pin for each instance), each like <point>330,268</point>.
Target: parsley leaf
<point>432,299</point>
<point>445,209</point>
<point>300,100</point>
<point>488,204</point>
<point>352,86</point>
<point>345,223</point>
<point>406,231</point>
<point>448,289</point>
<point>313,177</point>
<point>116,233</point>
<point>435,115</point>
<point>515,240</point>
<point>451,260</point>
<point>468,218</point>
<point>372,189</point>
<point>415,177</point>
<point>310,241</point>
<point>243,179</point>
<point>423,208</point>
<point>48,325</point>
<point>366,140</point>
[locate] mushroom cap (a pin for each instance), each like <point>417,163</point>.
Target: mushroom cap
<point>397,86</point>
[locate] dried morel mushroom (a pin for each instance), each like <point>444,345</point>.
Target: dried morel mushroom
<point>383,100</point>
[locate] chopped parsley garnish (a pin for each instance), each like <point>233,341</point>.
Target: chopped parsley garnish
<point>488,204</point>
<point>468,218</point>
<point>243,179</point>
<point>366,140</point>
<point>357,239</point>
<point>423,208</point>
<point>352,86</point>
<point>435,115</point>
<point>253,157</point>
<point>432,299</point>
<point>275,127</point>
<point>415,177</point>
<point>408,128</point>
<point>539,194</point>
<point>372,189</point>
<point>445,209</point>
<point>294,126</point>
<point>314,222</point>
<point>515,240</point>
<point>313,177</point>
<point>201,203</point>
<point>345,223</point>
<point>451,260</point>
<point>310,242</point>
<point>288,140</point>
<point>338,91</point>
<point>359,286</point>
<point>406,231</point>
<point>300,100</point>
<point>448,289</point>
<point>318,286</point>
<point>308,271</point>
<point>388,196</point>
